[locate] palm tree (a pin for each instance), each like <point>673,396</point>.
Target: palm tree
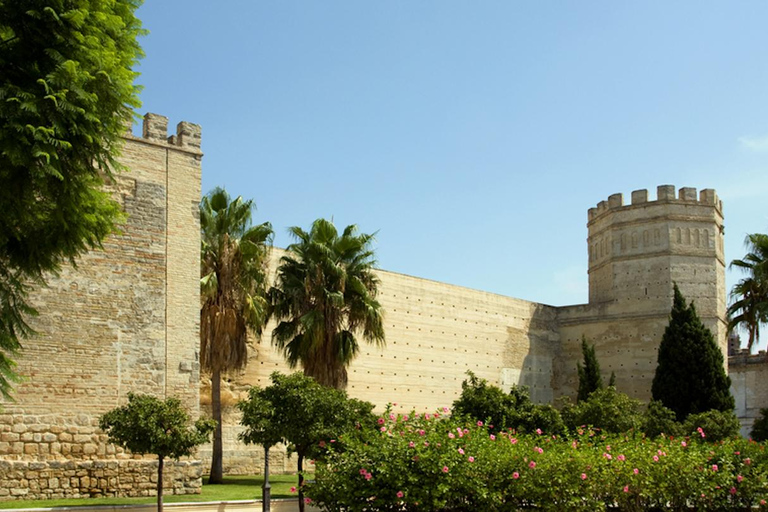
<point>325,293</point>
<point>750,295</point>
<point>233,285</point>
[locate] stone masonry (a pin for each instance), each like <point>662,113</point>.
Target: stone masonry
<point>125,320</point>
<point>436,332</point>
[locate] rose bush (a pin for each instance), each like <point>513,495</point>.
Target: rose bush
<point>435,462</point>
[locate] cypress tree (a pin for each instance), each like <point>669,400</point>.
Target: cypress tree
<point>589,374</point>
<point>690,375</point>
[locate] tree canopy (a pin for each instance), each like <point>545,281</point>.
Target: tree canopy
<point>303,414</point>
<point>324,296</point>
<point>66,94</point>
<point>148,425</point>
<point>690,376</point>
<point>501,411</point>
<point>749,306</point>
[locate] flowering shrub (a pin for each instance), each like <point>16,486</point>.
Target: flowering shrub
<point>434,462</point>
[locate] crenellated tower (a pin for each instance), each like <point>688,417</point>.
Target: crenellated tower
<point>638,250</point>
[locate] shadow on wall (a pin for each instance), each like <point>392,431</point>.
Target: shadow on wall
<point>539,362</point>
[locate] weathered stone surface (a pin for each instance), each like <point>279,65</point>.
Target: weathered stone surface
<point>125,320</point>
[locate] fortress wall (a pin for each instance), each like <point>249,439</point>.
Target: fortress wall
<point>125,320</point>
<point>627,346</point>
<point>435,333</point>
<point>749,386</point>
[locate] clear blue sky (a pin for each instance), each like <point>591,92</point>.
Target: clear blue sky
<point>473,136</point>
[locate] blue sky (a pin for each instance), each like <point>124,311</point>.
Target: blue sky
<point>473,136</point>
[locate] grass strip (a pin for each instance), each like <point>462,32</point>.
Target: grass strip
<point>234,488</point>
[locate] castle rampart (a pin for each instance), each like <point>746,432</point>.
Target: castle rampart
<point>125,320</point>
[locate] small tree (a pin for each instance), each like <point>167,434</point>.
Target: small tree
<point>305,414</point>
<point>590,379</point>
<point>659,420</point>
<point>690,376</point>
<point>485,402</point>
<point>760,427</point>
<point>606,409</point>
<point>261,427</point>
<point>715,425</point>
<point>148,425</point>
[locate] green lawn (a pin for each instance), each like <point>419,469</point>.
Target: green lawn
<point>234,488</point>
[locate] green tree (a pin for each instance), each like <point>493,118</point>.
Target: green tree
<point>148,425</point>
<point>261,428</point>
<point>325,293</point>
<point>306,415</point>
<point>749,307</point>
<point>760,427</point>
<point>233,285</point>
<point>501,411</point>
<point>590,379</point>
<point>714,425</point>
<point>690,375</point>
<point>66,94</point>
<point>606,409</point>
<point>659,420</point>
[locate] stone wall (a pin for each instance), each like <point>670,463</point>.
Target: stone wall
<point>125,320</point>
<point>94,478</point>
<point>637,252</point>
<point>749,386</point>
<point>435,332</point>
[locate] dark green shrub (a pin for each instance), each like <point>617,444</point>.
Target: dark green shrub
<point>505,411</point>
<point>715,425</point>
<point>690,377</point>
<point>658,420</point>
<point>590,379</point>
<point>605,409</point>
<point>760,427</point>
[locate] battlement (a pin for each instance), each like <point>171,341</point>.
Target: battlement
<point>665,194</point>
<point>155,130</point>
<point>743,357</point>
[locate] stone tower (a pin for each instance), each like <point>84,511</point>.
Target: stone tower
<point>637,251</point>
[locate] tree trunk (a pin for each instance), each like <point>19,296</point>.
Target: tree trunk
<point>217,472</point>
<point>301,482</point>
<point>159,484</point>
<point>266,488</point>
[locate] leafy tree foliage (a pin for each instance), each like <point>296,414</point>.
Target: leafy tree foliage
<point>500,411</point>
<point>659,420</point>
<point>715,425</point>
<point>590,379</point>
<point>760,427</point>
<point>148,425</point>
<point>325,293</point>
<point>605,409</point>
<point>233,284</point>
<point>66,94</point>
<point>690,376</point>
<point>750,295</point>
<point>261,427</point>
<point>304,415</point>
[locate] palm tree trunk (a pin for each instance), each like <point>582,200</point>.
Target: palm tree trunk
<point>217,472</point>
<point>159,484</point>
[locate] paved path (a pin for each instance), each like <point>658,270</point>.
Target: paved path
<point>210,506</point>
